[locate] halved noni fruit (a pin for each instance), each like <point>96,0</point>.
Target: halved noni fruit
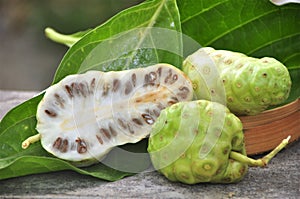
<point>84,116</point>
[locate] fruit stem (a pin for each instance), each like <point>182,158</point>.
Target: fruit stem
<point>60,38</point>
<point>31,140</point>
<point>262,162</point>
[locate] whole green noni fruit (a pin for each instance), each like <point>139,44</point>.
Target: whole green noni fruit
<point>245,84</point>
<point>201,141</point>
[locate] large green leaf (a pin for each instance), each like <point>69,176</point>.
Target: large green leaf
<point>256,28</point>
<point>20,122</point>
<point>131,39</point>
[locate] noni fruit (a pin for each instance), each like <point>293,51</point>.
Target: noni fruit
<point>84,116</point>
<point>201,141</point>
<point>245,84</point>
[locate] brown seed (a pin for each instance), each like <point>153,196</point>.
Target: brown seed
<point>75,88</point>
<point>184,92</point>
<point>105,132</point>
<point>159,71</point>
<point>81,146</point>
<point>116,85</point>
<point>59,100</point>
<point>152,76</point>
<point>156,112</point>
<point>64,146</point>
<point>174,78</point>
<point>137,121</point>
<point>133,79</point>
<point>105,89</point>
<point>128,88</point>
<point>99,139</point>
<point>146,80</point>
<point>130,129</point>
<point>57,143</point>
<point>112,131</point>
<point>50,113</point>
<point>160,106</point>
<point>121,123</point>
<point>174,98</point>
<point>83,89</point>
<point>92,86</point>
<point>169,76</point>
<point>69,91</point>
<point>148,119</point>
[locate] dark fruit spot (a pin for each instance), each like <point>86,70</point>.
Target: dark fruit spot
<point>264,75</point>
<point>228,61</point>
<point>242,170</point>
<point>239,66</point>
<point>247,99</point>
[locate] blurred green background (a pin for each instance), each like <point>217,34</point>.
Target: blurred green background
<point>28,59</point>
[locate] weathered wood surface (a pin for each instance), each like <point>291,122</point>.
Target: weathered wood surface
<point>279,180</point>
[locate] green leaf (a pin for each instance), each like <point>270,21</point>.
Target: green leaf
<point>20,122</point>
<point>256,28</point>
<point>137,37</point>
<point>67,40</point>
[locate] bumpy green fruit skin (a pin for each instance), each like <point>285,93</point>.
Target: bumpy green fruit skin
<point>251,85</point>
<point>181,131</point>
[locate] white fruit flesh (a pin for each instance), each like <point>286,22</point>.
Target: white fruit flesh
<point>84,116</point>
